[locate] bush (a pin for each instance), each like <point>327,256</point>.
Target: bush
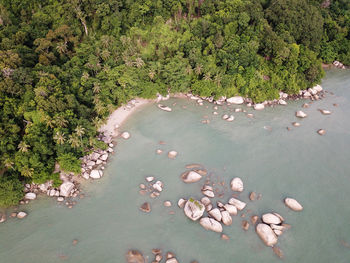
<point>11,191</point>
<point>69,163</point>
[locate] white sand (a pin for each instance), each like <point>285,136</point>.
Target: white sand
<point>119,116</point>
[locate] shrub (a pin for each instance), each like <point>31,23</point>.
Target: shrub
<point>11,191</point>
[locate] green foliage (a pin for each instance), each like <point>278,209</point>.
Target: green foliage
<point>69,163</point>
<point>11,190</point>
<point>66,65</point>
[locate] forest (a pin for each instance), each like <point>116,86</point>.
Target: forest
<point>66,65</point>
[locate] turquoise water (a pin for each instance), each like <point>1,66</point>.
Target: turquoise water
<point>274,162</point>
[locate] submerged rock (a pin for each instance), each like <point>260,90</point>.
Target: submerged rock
<point>321,132</point>
<point>145,207</point>
<point>237,184</point>
<point>194,209</point>
<point>325,112</point>
<point>172,154</point>
<point>278,252</point>
<point>211,224</point>
<point>300,114</point>
<point>181,203</point>
<point>134,256</point>
<point>293,204</point>
<point>125,135</point>
<point>21,215</point>
<point>296,124</point>
<point>245,225</point>
<point>252,196</point>
<point>167,203</point>
<point>164,108</point>
<point>191,177</point>
<point>266,234</point>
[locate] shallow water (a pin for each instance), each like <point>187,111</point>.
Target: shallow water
<point>274,162</point>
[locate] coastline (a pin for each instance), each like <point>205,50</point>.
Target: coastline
<point>120,115</point>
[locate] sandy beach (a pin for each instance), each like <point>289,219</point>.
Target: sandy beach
<point>117,118</point>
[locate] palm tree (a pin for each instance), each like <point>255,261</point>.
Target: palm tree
<point>151,74</point>
<point>207,76</point>
<point>8,163</point>
<point>139,62</point>
<point>218,79</point>
<point>85,75</point>
<point>80,131</point>
<point>61,121</point>
<point>105,41</point>
<point>74,141</point>
<point>27,172</point>
<point>61,48</point>
<point>96,88</point>
<point>23,147</point>
<point>189,70</point>
<point>49,121</point>
<point>198,69</point>
<point>105,54</point>
<point>59,137</point>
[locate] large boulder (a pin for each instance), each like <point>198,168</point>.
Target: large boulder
<point>194,209</point>
<point>211,224</point>
<point>21,215</point>
<point>226,218</point>
<point>134,256</point>
<point>293,204</point>
<point>66,188</point>
<point>266,234</point>
<point>30,196</point>
<point>235,100</point>
<point>237,184</point>
<point>271,219</point>
<point>237,203</point>
<point>231,209</point>
<point>95,174</point>
<point>191,177</point>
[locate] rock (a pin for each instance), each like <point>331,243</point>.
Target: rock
<point>226,218</point>
<point>225,237</point>
<point>95,174</point>
<point>278,252</point>
<point>158,186</point>
<point>164,108</point>
<point>194,209</point>
<point>259,106</point>
<point>231,209</point>
<point>167,203</point>
<point>279,216</point>
<point>156,251</point>
<point>172,154</point>
<point>208,193</point>
<point>90,163</point>
<point>142,186</point>
<point>169,255</point>
<point>296,124</point>
<point>270,218</point>
<point>235,100</point>
<point>224,117</point>
<point>104,157</point>
<point>307,94</point>
<point>134,256</point>
<point>181,203</point>
<point>305,105</point>
<point>325,112</point>
<point>159,151</point>
<point>208,207</point>
<point>216,214</point>
<point>211,224</point>
<point>245,225</point>
<point>125,135</point>
<point>300,114</point>
<point>252,196</point>
<point>2,218</point>
<point>171,260</point>
<point>237,184</point>
<point>60,199</point>
<point>282,102</point>
<point>250,115</point>
<point>145,207</point>
<point>191,177</point>
<point>66,188</point>
<point>293,204</point>
<point>21,215</point>
<point>230,118</point>
<point>205,201</point>
<point>277,232</point>
<point>277,227</point>
<point>219,204</point>
<point>266,234</point>
<point>237,203</point>
<point>321,132</point>
<point>149,178</point>
<point>30,196</point>
<point>318,88</point>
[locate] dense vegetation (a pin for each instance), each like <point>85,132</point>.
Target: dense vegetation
<point>65,65</point>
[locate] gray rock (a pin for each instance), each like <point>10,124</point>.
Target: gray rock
<point>194,209</point>
<point>30,196</point>
<point>211,224</point>
<point>66,188</point>
<point>266,234</point>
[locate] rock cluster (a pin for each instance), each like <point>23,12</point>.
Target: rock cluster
<point>154,187</point>
<point>338,64</point>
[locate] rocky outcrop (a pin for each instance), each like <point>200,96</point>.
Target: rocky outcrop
<point>293,204</point>
<point>237,184</point>
<point>211,224</point>
<point>194,209</point>
<point>266,234</point>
